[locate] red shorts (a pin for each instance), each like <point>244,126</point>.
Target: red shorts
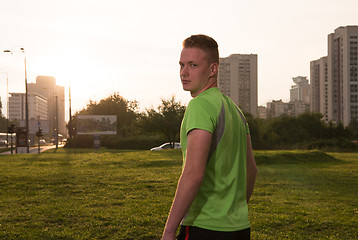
<point>195,233</point>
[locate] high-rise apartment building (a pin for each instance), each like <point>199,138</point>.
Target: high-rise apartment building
<point>238,80</point>
<point>342,79</point>
<point>300,95</point>
<point>301,90</point>
<point>334,78</point>
<point>46,86</point>
<point>37,106</point>
<point>319,87</point>
<point>262,112</point>
<point>277,108</point>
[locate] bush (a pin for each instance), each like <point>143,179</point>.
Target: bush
<point>80,141</point>
<point>134,142</point>
<point>334,144</point>
<point>142,142</point>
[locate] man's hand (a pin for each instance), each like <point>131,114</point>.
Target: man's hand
<point>168,236</point>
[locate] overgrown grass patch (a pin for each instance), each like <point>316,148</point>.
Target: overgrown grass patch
<point>308,199</point>
<point>87,195</point>
<point>111,194</point>
<point>292,157</point>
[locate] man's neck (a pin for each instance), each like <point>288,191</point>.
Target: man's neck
<point>208,86</point>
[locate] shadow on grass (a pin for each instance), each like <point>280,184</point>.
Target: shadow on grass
<point>159,164</point>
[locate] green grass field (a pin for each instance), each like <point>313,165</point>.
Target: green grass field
<point>109,194</point>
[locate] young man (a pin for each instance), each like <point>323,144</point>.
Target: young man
<point>219,169</point>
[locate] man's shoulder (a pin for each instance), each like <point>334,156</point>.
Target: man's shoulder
<point>210,95</point>
<point>210,100</point>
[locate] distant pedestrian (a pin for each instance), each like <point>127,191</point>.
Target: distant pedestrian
<point>219,168</point>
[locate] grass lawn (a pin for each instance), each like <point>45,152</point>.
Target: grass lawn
<point>315,198</point>
<point>109,194</point>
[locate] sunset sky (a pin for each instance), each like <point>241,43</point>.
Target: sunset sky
<point>133,47</point>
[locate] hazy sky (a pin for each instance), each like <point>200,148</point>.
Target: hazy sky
<point>133,47</point>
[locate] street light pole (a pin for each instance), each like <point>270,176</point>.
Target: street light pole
<point>70,121</point>
<point>26,104</point>
<point>7,108</point>
<point>26,101</point>
<point>56,121</point>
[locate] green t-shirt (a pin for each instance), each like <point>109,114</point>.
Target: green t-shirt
<point>220,203</point>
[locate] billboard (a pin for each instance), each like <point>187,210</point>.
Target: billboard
<point>97,124</point>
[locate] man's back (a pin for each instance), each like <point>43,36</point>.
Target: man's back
<point>220,203</point>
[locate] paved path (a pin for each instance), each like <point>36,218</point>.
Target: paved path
<point>35,149</point>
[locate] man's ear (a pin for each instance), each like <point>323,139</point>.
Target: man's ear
<point>214,68</point>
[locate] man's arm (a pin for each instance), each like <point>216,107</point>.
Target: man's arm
<point>198,146</point>
<point>251,169</point>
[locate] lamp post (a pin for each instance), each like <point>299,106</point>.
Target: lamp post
<point>56,139</point>
<point>26,100</point>
<point>7,108</point>
<point>7,111</point>
<point>70,121</point>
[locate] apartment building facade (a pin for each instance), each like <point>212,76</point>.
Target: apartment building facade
<point>342,79</point>
<point>319,87</point>
<point>238,80</point>
<point>277,108</point>
<point>334,80</point>
<point>37,106</point>
<point>46,86</point>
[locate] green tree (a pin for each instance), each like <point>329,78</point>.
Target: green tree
<point>312,124</point>
<point>353,127</point>
<point>112,105</point>
<point>165,120</point>
<point>255,126</point>
<point>281,132</point>
<point>302,131</point>
<point>3,120</point>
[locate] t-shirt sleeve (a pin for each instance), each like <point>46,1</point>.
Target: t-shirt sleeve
<point>198,117</point>
<point>247,128</point>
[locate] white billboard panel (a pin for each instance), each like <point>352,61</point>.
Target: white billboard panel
<point>97,124</point>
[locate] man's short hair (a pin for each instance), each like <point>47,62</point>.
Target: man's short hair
<point>206,43</point>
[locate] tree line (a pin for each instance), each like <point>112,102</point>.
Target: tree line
<point>154,126</point>
<point>143,130</point>
<point>135,130</point>
<point>3,121</point>
<point>306,131</point>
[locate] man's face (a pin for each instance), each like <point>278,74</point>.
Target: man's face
<point>195,70</point>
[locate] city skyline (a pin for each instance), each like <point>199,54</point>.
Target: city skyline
<point>133,48</point>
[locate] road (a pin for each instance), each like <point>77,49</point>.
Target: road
<point>35,149</point>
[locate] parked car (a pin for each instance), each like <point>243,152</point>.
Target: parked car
<point>3,142</point>
<point>42,141</point>
<point>166,146</point>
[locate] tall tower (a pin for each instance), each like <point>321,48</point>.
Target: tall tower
<point>319,87</point>
<point>46,86</point>
<point>238,80</point>
<point>342,74</point>
<point>300,91</point>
